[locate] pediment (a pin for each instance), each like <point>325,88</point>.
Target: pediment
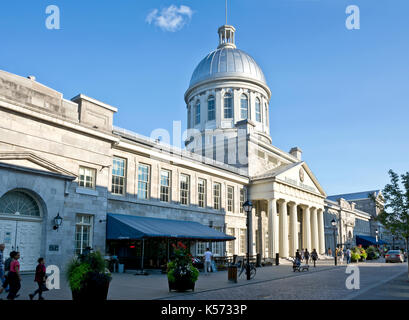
<point>32,161</point>
<point>296,174</point>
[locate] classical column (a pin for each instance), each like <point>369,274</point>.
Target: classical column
<point>272,228</point>
<point>293,229</point>
<point>283,229</point>
<point>314,229</point>
<point>261,233</point>
<point>321,231</point>
<point>306,227</point>
<point>252,228</point>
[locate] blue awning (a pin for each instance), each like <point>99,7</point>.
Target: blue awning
<point>368,241</point>
<point>121,226</point>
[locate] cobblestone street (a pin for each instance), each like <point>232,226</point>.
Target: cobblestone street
<point>271,283</point>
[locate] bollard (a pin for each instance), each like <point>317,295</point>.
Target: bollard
<point>277,259</point>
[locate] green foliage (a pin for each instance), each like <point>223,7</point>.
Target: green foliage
<point>355,256</point>
<point>394,209</point>
<point>80,267</point>
<point>181,266</point>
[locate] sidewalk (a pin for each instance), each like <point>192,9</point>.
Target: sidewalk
<point>126,286</point>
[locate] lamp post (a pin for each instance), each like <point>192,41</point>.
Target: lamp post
<point>376,237</point>
<point>334,226</point>
<point>248,206</point>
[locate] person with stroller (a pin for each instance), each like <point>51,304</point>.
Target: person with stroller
<point>297,261</point>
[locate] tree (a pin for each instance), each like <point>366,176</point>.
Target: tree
<point>394,212</point>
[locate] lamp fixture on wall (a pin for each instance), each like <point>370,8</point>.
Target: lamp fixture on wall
<point>57,222</point>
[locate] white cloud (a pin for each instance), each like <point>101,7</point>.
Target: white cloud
<point>170,19</point>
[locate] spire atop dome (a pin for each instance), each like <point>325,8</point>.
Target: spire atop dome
<point>226,37</point>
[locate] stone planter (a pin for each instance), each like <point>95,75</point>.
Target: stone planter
<point>181,285</point>
<point>95,288</point>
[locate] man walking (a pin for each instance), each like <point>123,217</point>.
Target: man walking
<point>306,256</point>
<point>314,256</point>
<point>208,260</point>
<point>348,255</point>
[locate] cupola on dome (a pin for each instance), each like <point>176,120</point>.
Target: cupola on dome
<point>227,62</point>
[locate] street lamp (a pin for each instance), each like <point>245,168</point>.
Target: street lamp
<point>376,237</point>
<point>247,207</point>
<point>57,222</point>
<point>334,226</point>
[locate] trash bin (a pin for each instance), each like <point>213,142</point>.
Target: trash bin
<point>258,260</point>
<point>120,268</point>
<point>232,273</point>
<point>277,259</point>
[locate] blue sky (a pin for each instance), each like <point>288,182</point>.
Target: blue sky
<point>340,95</point>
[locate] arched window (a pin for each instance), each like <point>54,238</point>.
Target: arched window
<point>197,113</point>
<point>19,203</point>
<point>228,106</point>
<point>244,105</point>
<point>211,115</point>
<point>258,110</point>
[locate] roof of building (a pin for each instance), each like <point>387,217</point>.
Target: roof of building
<point>227,62</point>
<point>354,196</point>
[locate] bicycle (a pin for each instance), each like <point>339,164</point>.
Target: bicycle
<point>243,270</point>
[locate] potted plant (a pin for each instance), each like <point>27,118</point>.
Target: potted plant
<point>88,277</point>
<point>355,254</point>
<point>182,275</point>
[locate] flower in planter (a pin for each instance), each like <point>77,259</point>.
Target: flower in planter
<point>181,268</point>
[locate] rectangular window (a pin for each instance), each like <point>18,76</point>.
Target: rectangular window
<point>230,244</point>
<point>165,185</point>
<point>211,109</point>
<point>184,189</point>
<point>243,241</point>
<point>197,113</point>
<point>242,198</point>
<point>217,247</point>
<point>83,232</point>
<point>143,181</point>
<point>201,248</point>
<point>87,177</point>
<point>201,191</point>
<point>230,199</point>
<point>118,176</point>
<point>216,196</point>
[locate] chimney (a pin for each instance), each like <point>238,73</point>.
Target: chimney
<point>296,152</point>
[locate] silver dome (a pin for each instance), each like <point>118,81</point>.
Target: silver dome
<point>227,62</point>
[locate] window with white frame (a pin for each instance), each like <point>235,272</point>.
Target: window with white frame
<point>184,189</point>
<point>83,232</point>
<point>86,177</point>
<point>230,244</point>
<point>201,248</point>
<point>143,181</point>
<point>201,192</point>
<point>165,185</point>
<point>228,106</point>
<point>230,198</point>
<point>258,110</point>
<point>216,196</point>
<point>244,105</point>
<point>242,198</point>
<point>217,247</point>
<point>243,241</point>
<point>197,113</point>
<point>118,176</point>
<point>211,112</point>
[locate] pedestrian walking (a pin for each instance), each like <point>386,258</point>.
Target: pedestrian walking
<point>5,285</point>
<point>306,256</point>
<point>302,254</point>
<point>348,256</point>
<point>208,260</point>
<point>298,255</point>
<point>314,256</point>
<point>40,278</point>
<point>341,256</point>
<point>14,278</point>
<point>330,252</point>
<point>2,271</point>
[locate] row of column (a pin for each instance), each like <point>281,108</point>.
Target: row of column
<point>284,240</point>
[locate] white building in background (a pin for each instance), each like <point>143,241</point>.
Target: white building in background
<point>66,158</point>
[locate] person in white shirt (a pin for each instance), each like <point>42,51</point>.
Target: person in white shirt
<point>208,260</point>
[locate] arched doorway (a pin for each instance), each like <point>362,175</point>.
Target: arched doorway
<point>21,226</point>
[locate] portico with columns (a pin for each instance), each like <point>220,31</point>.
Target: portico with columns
<point>288,212</point>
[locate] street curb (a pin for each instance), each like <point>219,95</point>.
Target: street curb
<point>248,284</point>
